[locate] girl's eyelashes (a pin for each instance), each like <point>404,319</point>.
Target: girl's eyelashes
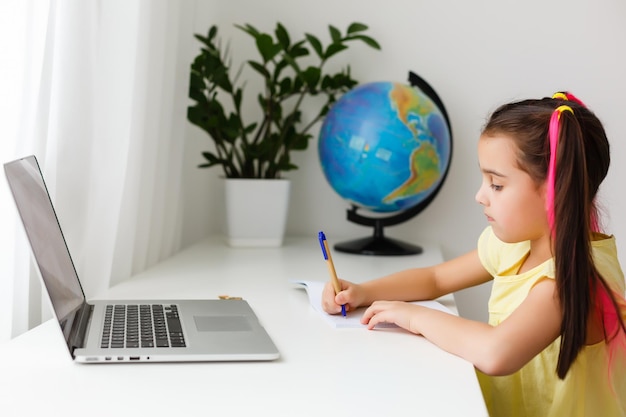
<point>495,187</point>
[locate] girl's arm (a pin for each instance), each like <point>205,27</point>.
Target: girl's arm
<point>428,283</point>
<point>409,285</point>
<point>499,350</point>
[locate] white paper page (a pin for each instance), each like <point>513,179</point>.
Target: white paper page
<point>353,318</point>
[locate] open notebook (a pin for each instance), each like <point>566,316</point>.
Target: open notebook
<point>353,318</point>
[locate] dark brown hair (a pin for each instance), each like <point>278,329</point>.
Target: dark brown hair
<point>583,160</point>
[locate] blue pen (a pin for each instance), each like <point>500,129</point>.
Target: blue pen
<point>331,267</point>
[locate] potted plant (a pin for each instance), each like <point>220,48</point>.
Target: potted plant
<point>250,151</point>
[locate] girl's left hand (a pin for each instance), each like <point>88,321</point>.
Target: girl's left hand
<point>402,314</point>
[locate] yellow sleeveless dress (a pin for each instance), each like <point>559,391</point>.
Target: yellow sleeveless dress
<point>595,385</point>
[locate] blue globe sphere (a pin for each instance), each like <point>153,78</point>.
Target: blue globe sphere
<point>385,146</point>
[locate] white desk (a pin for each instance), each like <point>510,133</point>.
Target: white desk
<point>322,370</point>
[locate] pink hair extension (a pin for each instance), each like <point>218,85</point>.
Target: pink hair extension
<point>612,321</point>
<point>553,137</point>
<point>594,223</point>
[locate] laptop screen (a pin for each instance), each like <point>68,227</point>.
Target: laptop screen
<point>46,239</point>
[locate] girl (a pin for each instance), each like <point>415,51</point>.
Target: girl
<point>555,344</point>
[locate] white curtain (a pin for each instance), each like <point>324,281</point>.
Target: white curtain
<point>97,91</point>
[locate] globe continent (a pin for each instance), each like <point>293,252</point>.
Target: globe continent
<point>385,146</point>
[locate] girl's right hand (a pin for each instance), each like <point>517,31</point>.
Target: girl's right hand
<point>351,295</point>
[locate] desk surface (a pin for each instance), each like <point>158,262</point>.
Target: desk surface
<point>322,370</point>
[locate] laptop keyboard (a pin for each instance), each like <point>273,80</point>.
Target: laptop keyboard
<point>142,326</point>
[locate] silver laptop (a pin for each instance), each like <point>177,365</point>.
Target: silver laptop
<point>128,331</point>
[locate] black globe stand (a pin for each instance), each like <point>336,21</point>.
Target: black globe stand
<point>378,244</point>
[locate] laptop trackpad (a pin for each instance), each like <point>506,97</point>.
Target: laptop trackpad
<point>222,323</point>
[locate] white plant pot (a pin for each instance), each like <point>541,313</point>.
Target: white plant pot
<point>256,211</point>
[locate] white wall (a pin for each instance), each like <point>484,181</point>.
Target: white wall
<point>476,54</point>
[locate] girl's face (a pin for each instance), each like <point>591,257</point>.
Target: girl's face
<point>513,203</point>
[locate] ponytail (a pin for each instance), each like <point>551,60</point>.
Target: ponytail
<point>571,233</point>
<point>573,220</point>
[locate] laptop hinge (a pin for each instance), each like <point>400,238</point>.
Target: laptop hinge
<point>79,328</point>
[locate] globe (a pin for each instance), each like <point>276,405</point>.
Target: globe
<point>385,147</point>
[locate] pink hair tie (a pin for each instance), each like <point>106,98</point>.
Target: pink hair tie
<point>568,96</point>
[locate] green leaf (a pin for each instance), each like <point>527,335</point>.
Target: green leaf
<point>196,81</point>
<point>298,82</point>
<point>280,66</point>
<point>356,27</point>
<point>202,39</point>
<point>311,77</point>
<point>316,44</point>
<point>197,95</point>
<point>327,82</point>
<point>212,32</point>
<point>208,41</point>
<point>196,65</point>
<point>212,160</point>
<point>222,81</point>
<point>213,121</point>
<point>292,62</point>
<point>300,142</point>
<point>261,100</point>
<point>286,166</point>
<point>282,36</point>
<point>237,97</point>
<point>250,128</point>
<point>343,82</point>
<point>369,41</point>
<point>267,48</point>
<point>285,86</point>
<point>210,157</point>
<point>335,34</point>
<point>324,110</point>
<point>260,69</point>
<point>249,29</point>
<point>298,50</point>
<point>194,115</point>
<point>293,119</point>
<point>333,49</point>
